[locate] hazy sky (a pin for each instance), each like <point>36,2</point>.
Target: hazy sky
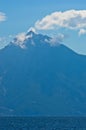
<point>66,18</point>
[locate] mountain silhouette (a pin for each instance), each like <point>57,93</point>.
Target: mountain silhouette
<point>38,78</point>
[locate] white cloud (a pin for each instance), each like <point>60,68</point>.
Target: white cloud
<point>21,38</point>
<point>2,17</point>
<point>82,32</point>
<point>56,40</point>
<point>71,19</point>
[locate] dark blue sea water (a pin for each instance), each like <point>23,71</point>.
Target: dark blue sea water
<point>42,123</point>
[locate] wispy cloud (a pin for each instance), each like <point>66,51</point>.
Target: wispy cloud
<point>82,32</point>
<point>19,39</point>
<point>2,16</point>
<point>70,19</point>
<point>56,40</point>
<point>5,40</point>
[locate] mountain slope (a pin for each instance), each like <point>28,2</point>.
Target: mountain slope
<point>37,78</point>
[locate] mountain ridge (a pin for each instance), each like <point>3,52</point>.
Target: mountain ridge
<point>42,80</point>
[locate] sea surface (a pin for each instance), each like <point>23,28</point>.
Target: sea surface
<point>42,123</point>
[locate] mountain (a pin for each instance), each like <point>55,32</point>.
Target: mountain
<point>40,78</point>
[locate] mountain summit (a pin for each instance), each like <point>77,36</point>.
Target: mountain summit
<point>31,32</point>
<point>37,78</point>
<point>33,38</point>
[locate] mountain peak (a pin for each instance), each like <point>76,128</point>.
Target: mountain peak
<point>31,31</point>
<point>33,38</point>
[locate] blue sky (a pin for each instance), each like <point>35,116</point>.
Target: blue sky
<point>20,15</point>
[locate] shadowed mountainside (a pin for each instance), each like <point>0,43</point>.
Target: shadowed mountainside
<point>41,79</point>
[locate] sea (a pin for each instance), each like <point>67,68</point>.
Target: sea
<point>42,123</point>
